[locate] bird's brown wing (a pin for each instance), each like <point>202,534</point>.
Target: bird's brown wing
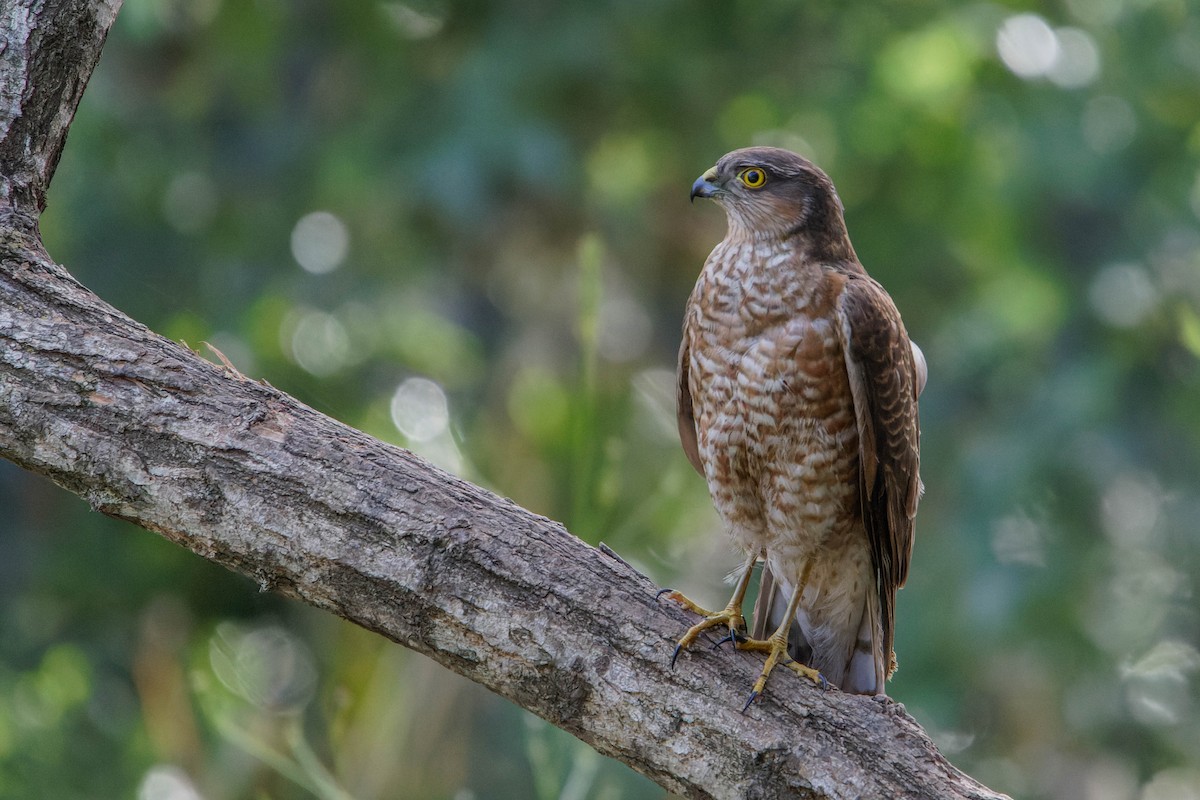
<point>683,410</point>
<point>885,380</point>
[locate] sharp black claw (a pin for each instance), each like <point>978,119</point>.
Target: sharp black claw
<point>661,592</point>
<point>733,636</point>
<point>729,638</point>
<point>753,696</point>
<point>675,655</point>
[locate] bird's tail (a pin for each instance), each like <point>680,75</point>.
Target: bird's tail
<point>868,668</point>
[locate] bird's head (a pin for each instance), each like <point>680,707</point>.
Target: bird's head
<point>772,193</point>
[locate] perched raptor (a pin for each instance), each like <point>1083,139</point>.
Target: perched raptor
<point>797,402</point>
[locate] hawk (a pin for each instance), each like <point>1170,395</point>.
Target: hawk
<point>797,402</point>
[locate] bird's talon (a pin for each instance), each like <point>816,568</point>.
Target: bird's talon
<point>730,618</point>
<point>806,671</point>
<point>754,695</point>
<point>732,637</point>
<point>661,592</point>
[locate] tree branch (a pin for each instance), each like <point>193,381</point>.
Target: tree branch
<point>247,476</point>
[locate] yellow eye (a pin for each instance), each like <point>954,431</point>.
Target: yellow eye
<point>753,177</point>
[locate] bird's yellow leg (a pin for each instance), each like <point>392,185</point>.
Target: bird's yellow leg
<point>731,616</point>
<point>775,646</point>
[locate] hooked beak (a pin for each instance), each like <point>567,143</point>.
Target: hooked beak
<point>704,186</point>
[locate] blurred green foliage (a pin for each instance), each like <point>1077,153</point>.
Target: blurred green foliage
<point>464,228</point>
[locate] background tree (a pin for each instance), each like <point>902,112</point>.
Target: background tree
<point>462,227</point>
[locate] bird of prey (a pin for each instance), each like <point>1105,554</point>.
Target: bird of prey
<point>797,402</point>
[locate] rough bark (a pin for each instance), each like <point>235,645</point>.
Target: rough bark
<point>249,477</point>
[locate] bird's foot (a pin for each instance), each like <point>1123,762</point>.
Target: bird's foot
<point>776,649</point>
<point>731,617</point>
